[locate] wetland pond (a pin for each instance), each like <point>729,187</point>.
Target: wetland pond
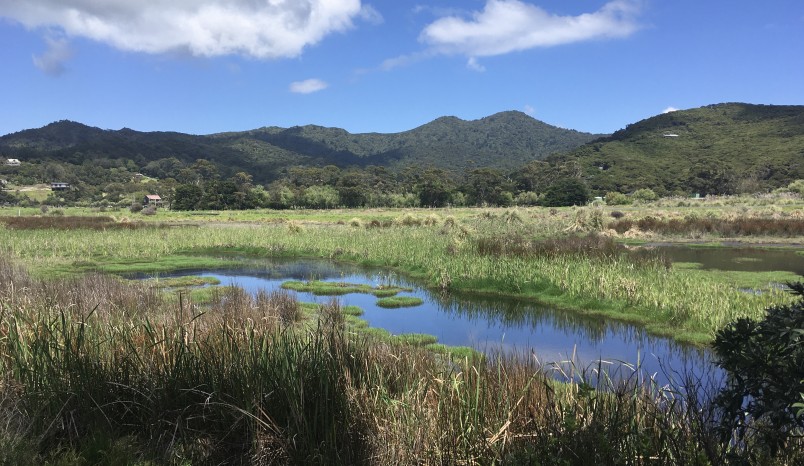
<point>492,325</point>
<point>736,258</point>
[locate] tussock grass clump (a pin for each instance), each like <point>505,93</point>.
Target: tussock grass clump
<point>432,220</point>
<point>407,220</point>
<point>295,227</point>
<point>379,223</point>
<point>356,223</point>
<point>587,220</point>
<point>512,217</point>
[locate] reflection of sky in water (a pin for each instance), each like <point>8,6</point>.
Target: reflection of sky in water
<point>485,323</point>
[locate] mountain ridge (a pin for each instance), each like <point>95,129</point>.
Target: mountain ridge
<point>715,149</point>
<point>504,140</point>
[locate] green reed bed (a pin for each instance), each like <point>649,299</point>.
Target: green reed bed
<point>100,370</point>
<point>673,302</point>
<point>396,302</point>
<point>182,282</point>
<point>322,288</point>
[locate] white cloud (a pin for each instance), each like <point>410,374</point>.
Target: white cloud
<point>506,26</point>
<point>404,60</point>
<point>51,62</point>
<point>529,110</point>
<point>260,29</point>
<point>473,64</point>
<point>308,86</point>
<point>669,110</point>
<point>370,14</point>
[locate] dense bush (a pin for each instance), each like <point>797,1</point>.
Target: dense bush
<point>616,198</point>
<point>645,194</point>
<point>764,360</point>
<point>566,192</point>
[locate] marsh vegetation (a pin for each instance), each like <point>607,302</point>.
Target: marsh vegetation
<point>98,369</point>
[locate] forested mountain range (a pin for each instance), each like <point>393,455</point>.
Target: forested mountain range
<point>717,149</point>
<point>504,141</point>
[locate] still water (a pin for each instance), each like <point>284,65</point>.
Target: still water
<point>491,325</point>
<point>744,259</point>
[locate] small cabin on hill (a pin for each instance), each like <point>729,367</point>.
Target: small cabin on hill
<point>59,186</point>
<point>152,199</point>
<point>12,163</point>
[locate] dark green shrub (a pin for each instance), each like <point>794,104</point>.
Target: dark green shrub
<point>645,194</point>
<point>764,360</point>
<point>566,192</point>
<point>615,198</point>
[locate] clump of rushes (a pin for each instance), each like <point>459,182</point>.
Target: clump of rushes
<point>321,288</point>
<point>399,301</point>
<point>356,222</point>
<point>432,220</point>
<point>352,311</point>
<point>459,352</point>
<point>182,282</point>
<point>416,339</point>
<point>407,220</point>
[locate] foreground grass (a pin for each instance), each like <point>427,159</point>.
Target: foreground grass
<point>446,252</point>
<point>100,371</point>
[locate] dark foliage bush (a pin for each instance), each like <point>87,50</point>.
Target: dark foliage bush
<point>764,360</point>
<point>566,192</point>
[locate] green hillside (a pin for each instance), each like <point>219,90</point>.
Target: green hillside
<point>504,141</point>
<point>717,149</point>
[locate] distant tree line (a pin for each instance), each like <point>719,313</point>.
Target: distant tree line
<point>200,185</point>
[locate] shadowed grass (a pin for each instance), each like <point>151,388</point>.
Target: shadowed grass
<point>785,227</point>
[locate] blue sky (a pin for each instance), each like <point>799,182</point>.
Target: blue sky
<point>207,66</point>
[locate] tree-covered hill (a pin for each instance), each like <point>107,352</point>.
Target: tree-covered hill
<point>504,141</point>
<point>717,149</point>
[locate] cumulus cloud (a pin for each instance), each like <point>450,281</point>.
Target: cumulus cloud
<point>52,61</point>
<point>669,110</point>
<point>505,26</point>
<point>308,86</point>
<point>261,29</point>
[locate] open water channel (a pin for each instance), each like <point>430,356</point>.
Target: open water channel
<point>492,325</point>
